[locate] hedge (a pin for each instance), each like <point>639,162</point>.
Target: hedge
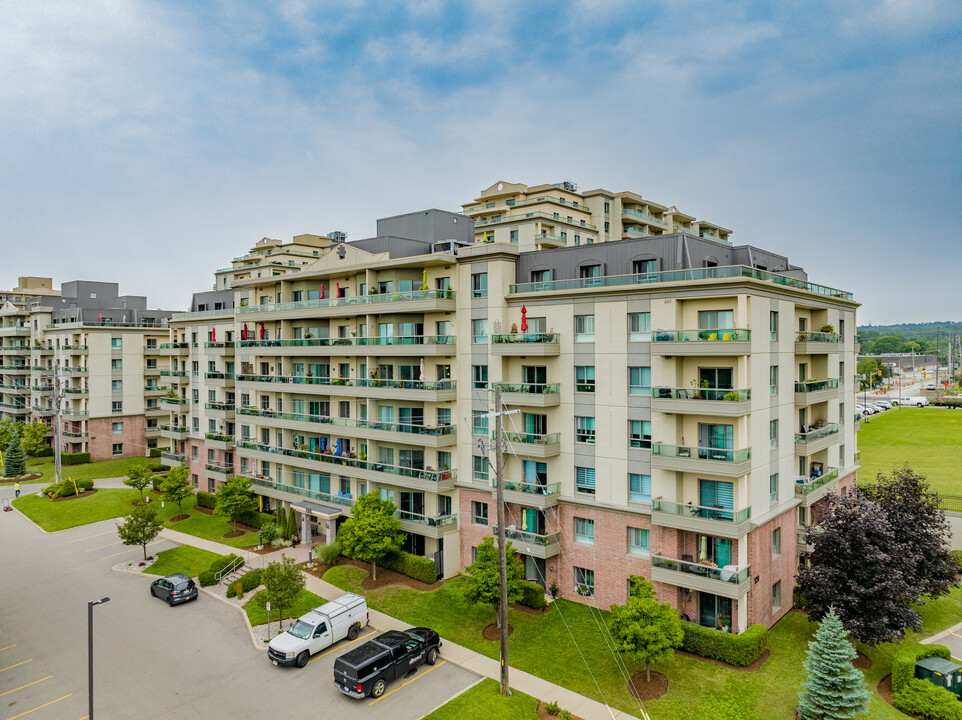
<point>157,480</point>
<point>154,452</point>
<point>45,451</point>
<point>927,700</point>
<point>248,582</point>
<point>740,650</point>
<point>903,664</point>
<point>414,566</point>
<point>74,458</point>
<point>206,500</point>
<point>533,595</point>
<point>66,488</point>
<point>252,519</point>
<point>208,576</point>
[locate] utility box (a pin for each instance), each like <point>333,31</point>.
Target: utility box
<point>941,672</point>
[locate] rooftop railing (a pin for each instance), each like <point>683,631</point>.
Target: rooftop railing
<point>376,299</point>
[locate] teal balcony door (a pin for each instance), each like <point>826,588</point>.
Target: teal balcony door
<point>718,495</point>
<point>716,441</point>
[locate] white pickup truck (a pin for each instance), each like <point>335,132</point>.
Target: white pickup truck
<point>320,628</point>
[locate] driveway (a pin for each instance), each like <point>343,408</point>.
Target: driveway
<point>151,660</point>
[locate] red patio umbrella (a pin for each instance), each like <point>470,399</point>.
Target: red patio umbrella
<point>262,331</point>
<point>322,292</point>
<point>244,332</point>
<point>213,335</point>
<point>338,293</point>
<point>524,319</point>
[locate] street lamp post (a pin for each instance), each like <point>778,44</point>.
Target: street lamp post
<point>90,653</point>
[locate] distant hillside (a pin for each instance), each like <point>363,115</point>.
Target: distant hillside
<point>907,337</point>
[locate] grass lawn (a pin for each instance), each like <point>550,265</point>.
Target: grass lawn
<point>209,527</point>
<point>484,701</point>
<point>53,516</point>
<point>925,438</point>
<point>186,559</point>
<point>90,471</point>
<point>698,690</point>
<point>257,613</point>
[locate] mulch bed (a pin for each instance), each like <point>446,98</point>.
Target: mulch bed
<point>206,511</point>
<point>754,666</point>
<point>25,478</point>
<point>493,632</point>
<point>178,518</point>
<point>862,662</point>
<point>644,690</point>
<point>85,493</point>
<point>530,611</point>
<point>885,690</point>
<point>318,570</point>
<point>543,714</point>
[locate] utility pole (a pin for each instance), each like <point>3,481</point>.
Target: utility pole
<point>58,422</point>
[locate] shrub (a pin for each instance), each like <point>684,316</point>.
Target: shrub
<point>157,468</point>
<point>45,451</point>
<point>533,596</point>
<point>157,480</point>
<point>740,650</point>
<point>564,715</point>
<point>251,519</point>
<point>252,579</point>
<point>328,554</point>
<point>413,566</point>
<point>903,664</point>
<point>268,532</point>
<point>74,458</point>
<point>66,488</point>
<point>154,452</point>
<point>926,700</point>
<point>208,577</point>
<point>206,499</point>
<point>552,708</point>
<point>236,589</point>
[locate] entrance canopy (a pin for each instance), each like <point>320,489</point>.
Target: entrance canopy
<point>324,512</point>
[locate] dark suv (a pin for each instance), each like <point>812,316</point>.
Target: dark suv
<point>176,588</point>
<point>366,670</point>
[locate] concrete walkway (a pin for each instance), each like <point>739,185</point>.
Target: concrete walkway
<point>461,656</point>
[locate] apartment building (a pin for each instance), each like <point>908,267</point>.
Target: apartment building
<point>98,344</point>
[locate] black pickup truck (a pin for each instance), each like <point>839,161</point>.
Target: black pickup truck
<point>366,670</point>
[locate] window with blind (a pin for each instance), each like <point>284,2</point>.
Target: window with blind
<point>585,480</point>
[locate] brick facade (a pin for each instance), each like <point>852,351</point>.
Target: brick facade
<point>767,569</point>
<point>102,437</point>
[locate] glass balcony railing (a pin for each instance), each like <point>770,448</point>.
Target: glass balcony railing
<point>219,376</point>
<point>74,347</point>
<point>816,385</point>
<point>528,538</point>
<point>710,273</point>
<point>74,436</point>
<point>817,434</point>
<point>218,344</point>
<point>702,335</point>
<point>693,393</point>
<point>805,485</point>
<point>526,338</point>
<point>426,520</point>
<point>377,299</point>
<point>530,201</point>
<point>174,401</point>
<point>531,488</point>
<point>817,337</point>
<point>533,388</point>
<point>539,215</point>
<point>201,314</point>
<point>372,383</point>
<point>173,428</point>
<point>549,237</point>
<point>174,346</point>
<point>219,468</point>
<point>533,438</point>
<point>348,422</point>
<point>709,512</point>
<point>419,473</point>
<point>267,481</point>
<point>353,341</point>
<point>729,573</point>
<point>701,453</point>
<point>74,369</point>
<point>14,406</point>
<point>174,373</point>
<point>219,437</point>
<point>226,407</point>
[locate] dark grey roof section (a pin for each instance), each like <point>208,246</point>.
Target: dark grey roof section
<point>86,301</point>
<point>430,226</point>
<point>316,508</point>
<point>212,300</point>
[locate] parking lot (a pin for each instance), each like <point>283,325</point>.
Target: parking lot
<point>151,660</point>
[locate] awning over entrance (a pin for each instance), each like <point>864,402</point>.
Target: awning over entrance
<point>324,512</point>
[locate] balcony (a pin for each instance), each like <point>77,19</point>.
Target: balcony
<point>71,436</point>
<point>528,344</point>
<point>70,412</point>
<point>535,445</point>
<point>529,394</point>
<point>224,411</point>
<point>708,520</point>
<point>177,401</point>
<point>178,348</point>
<point>811,392</point>
<point>16,407</point>
<point>429,526</point>
<point>172,459</point>
<point>530,494</point>
<point>815,343</point>
<point>717,341</point>
<point>15,349</point>
<point>219,379</point>
<point>173,373</point>
<point>816,439</point>
<point>68,369</point>
<point>550,217</point>
<point>539,546</point>
<point>219,441</point>
<point>18,369</point>
<point>11,330</point>
<point>439,391</point>
<point>812,489</point>
<point>219,348</point>
<point>714,461</point>
<point>154,390</point>
<point>729,581</point>
<point>152,370</point>
<point>393,345</point>
<point>219,471</point>
<point>413,301</point>
<point>174,432</point>
<point>701,401</point>
<point>550,240</point>
<point>75,349</point>
<point>277,489</point>
<point>77,392</point>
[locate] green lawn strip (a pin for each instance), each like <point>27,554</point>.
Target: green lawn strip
<point>484,701</point>
<point>53,516</point>
<point>925,438</point>
<point>182,559</point>
<point>89,471</point>
<point>257,612</point>
<point>202,525</point>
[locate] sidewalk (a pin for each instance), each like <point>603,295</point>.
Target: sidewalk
<point>461,656</point>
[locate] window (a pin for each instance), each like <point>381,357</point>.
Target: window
<point>480,468</point>
<point>639,381</point>
<point>841,414</point>
<point>479,374</point>
<point>585,480</point>
<point>117,448</point>
<point>117,364</point>
<point>479,285</point>
<point>116,343</point>
<point>584,429</point>
<point>773,433</point>
<point>585,580</point>
<point>773,380</point>
<point>590,275</point>
<point>479,513</point>
<point>777,596</point>
<point>513,236</point>
<point>211,487</point>
<point>716,319</point>
<point>776,542</point>
<point>639,541</point>
<point>577,239</point>
<point>607,226</point>
<point>644,267</point>
<point>607,207</point>
<point>480,424</point>
<point>116,406</point>
<point>193,453</point>
<point>639,433</point>
<point>116,385</point>
<point>540,276</point>
<point>585,378</point>
<point>584,328</point>
<point>773,488</point>
<point>639,488</point>
<point>117,427</point>
<point>841,455</point>
<point>773,324</point>
<point>479,331</point>
<point>639,327</point>
<point>584,531</point>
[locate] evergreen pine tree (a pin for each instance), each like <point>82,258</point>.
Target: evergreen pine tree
<point>281,522</point>
<point>834,689</point>
<point>14,459</point>
<point>292,524</point>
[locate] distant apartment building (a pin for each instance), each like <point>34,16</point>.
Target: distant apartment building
<point>101,346</point>
<point>682,400</point>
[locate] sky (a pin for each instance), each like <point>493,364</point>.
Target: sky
<point>149,143</point>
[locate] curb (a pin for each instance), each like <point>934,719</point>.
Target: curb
<point>247,622</point>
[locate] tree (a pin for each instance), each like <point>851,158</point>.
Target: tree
<point>645,629</point>
<point>176,488</point>
<point>835,689</point>
<point>281,522</point>
<point>139,527</point>
<point>283,581</point>
<point>139,478</point>
<point>913,513</point>
<point>6,430</point>
<point>484,582</point>
<point>14,459</point>
<point>887,344</point>
<point>34,437</point>
<point>372,531</point>
<point>859,566</point>
<point>291,523</point>
<point>234,499</point>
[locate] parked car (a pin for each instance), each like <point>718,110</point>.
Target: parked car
<point>918,401</point>
<point>320,628</point>
<point>878,407</point>
<point>864,410</point>
<point>368,669</point>
<point>175,589</point>
<point>886,405</point>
